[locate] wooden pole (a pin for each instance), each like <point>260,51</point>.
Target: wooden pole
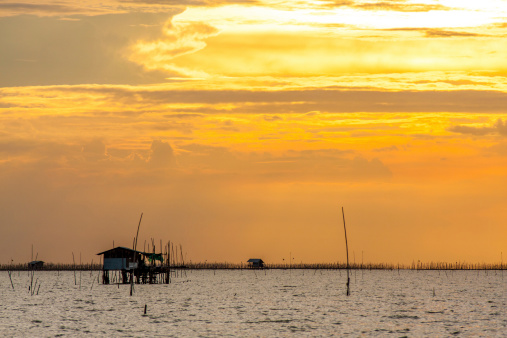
<point>347,248</point>
<point>137,234</point>
<point>135,248</point>
<point>74,263</point>
<point>10,279</point>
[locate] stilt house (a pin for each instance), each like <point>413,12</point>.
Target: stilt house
<point>35,265</point>
<point>255,263</point>
<point>121,258</point>
<point>127,264</point>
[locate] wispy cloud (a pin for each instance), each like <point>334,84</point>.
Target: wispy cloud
<point>399,6</point>
<point>179,39</point>
<point>208,3</point>
<point>308,99</point>
<point>373,5</point>
<point>56,8</point>
<point>437,33</point>
<point>498,128</point>
<point>395,5</point>
<point>450,34</point>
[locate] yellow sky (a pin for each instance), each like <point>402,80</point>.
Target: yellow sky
<point>240,128</point>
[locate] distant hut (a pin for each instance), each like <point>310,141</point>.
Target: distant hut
<point>255,263</point>
<point>35,265</point>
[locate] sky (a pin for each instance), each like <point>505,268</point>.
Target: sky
<point>240,128</point>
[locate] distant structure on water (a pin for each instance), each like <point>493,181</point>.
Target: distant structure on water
<point>35,265</point>
<point>126,264</point>
<point>255,263</point>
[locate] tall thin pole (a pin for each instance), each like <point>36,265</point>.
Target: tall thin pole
<point>74,262</point>
<point>135,248</point>
<point>347,248</point>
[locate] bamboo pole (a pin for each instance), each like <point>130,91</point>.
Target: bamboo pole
<point>135,248</point>
<point>74,268</point>
<point>10,279</point>
<point>347,248</point>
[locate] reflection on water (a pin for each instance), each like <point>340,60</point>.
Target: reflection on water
<point>259,303</point>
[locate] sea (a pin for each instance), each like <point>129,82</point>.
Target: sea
<point>257,303</point>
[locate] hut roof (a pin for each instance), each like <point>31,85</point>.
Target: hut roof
<point>150,255</point>
<point>121,248</point>
<point>36,262</point>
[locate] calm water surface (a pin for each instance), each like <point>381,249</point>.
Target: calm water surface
<point>259,303</point>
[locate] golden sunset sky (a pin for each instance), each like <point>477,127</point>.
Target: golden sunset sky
<point>240,128</point>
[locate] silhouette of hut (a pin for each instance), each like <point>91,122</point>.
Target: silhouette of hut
<point>121,258</point>
<point>132,264</point>
<point>34,265</point>
<point>255,263</point>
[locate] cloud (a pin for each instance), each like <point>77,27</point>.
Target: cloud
<point>285,54</point>
<point>49,51</point>
<point>331,165</point>
<point>89,163</point>
<point>162,155</point>
<point>373,169</point>
<point>387,149</point>
<point>501,127</point>
<point>59,8</point>
<point>179,39</point>
<point>477,131</point>
<point>399,6</point>
<point>94,150</point>
<point>499,149</point>
<point>320,165</point>
<point>436,32</point>
<point>272,118</point>
<point>498,128</point>
<point>207,3</point>
<point>194,161</point>
<point>394,5</point>
<point>440,33</point>
<point>306,100</point>
<point>184,115</point>
<point>29,152</point>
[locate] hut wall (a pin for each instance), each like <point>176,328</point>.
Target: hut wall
<point>115,263</point>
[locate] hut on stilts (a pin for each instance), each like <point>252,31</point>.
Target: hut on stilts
<point>122,264</point>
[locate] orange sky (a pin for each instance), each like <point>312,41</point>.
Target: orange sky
<point>240,129</point>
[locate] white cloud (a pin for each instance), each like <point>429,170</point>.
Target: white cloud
<point>179,39</point>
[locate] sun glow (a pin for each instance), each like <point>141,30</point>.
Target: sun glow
<point>238,18</point>
<point>227,117</point>
<point>309,42</point>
